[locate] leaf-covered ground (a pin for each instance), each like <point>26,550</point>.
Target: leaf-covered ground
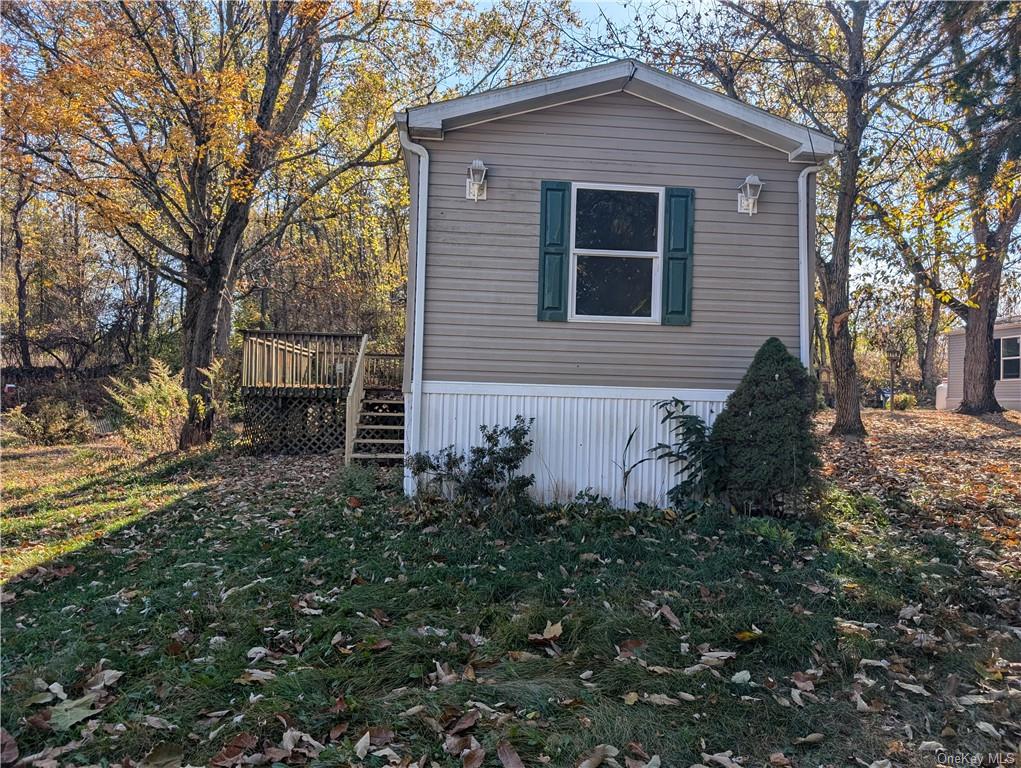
<point>237,611</point>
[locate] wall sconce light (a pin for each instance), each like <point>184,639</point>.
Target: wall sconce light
<point>475,184</point>
<point>748,195</point>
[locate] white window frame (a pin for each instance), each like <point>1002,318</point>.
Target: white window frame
<point>1004,358</point>
<point>657,258</point>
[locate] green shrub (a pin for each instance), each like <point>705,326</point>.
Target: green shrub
<point>223,383</point>
<point>150,413</point>
<point>764,434</point>
<point>699,461</point>
<point>485,479</point>
<point>50,421</point>
<point>904,401</point>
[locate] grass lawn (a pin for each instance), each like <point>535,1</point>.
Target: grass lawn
<point>232,611</point>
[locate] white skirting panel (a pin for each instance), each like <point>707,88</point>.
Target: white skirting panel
<point>579,432</point>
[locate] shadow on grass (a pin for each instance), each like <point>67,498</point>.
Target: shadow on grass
<point>181,600</point>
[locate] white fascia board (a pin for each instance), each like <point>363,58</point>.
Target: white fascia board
<point>800,143</point>
<point>425,121</point>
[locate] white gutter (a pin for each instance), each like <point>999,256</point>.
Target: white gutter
<point>413,419</point>
<point>805,288</point>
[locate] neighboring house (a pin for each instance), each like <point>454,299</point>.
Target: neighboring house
<point>1007,351</point>
<point>602,266</point>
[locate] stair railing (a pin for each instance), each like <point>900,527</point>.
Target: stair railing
<point>355,393</point>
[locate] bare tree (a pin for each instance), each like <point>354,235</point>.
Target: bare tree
<point>841,64</point>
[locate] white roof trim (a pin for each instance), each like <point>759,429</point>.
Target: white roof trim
<point>802,144</point>
<point>1009,323</point>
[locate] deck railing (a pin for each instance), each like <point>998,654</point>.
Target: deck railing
<point>384,371</point>
<point>354,401</point>
<point>275,360</point>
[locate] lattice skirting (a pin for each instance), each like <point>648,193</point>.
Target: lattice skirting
<point>292,425</point>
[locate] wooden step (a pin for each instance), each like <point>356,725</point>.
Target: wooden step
<point>383,401</point>
<point>378,456</point>
<point>374,441</point>
<point>362,424</point>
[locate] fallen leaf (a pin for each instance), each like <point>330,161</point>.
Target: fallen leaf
<point>722,759</point>
<point>362,746</point>
<point>103,679</point>
<point>159,723</point>
<point>913,688</point>
<point>550,634</point>
<point>255,676</point>
<point>741,678</point>
<point>378,735</point>
<point>597,756</point>
<point>660,699</point>
<point>234,751</point>
<point>9,748</point>
<point>670,616</point>
<point>508,756</point>
<point>466,721</point>
<point>473,758</point>
<point>812,738</point>
<point>163,755</point>
<point>988,729</point>
<point>523,656</point>
<point>68,713</point>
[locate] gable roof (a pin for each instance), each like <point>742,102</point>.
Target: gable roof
<point>802,144</point>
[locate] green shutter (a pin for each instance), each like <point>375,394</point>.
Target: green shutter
<point>554,222</point>
<point>678,238</point>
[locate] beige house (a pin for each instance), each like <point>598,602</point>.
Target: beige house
<point>587,245</point>
<point>1007,351</point>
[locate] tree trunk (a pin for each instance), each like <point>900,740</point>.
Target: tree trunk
<point>224,325</point>
<point>201,312</point>
<point>148,310</point>
<point>930,379</point>
<point>979,374</point>
<point>845,373</point>
<point>926,315</point>
<point>835,274</point>
<point>24,352</point>
<point>203,321</point>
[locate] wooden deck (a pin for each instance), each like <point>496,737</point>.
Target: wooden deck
<point>311,393</point>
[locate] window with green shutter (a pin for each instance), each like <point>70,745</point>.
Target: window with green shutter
<point>677,255</point>
<point>554,216</point>
<point>615,253</point>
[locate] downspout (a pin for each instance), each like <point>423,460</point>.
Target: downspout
<point>413,420</point>
<point>805,289</point>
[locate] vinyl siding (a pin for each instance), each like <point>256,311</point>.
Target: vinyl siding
<point>482,258</point>
<point>1008,393</point>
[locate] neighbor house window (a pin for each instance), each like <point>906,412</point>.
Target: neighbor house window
<point>616,246</point>
<point>1008,352</point>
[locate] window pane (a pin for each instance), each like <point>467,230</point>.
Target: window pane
<point>613,220</point>
<point>612,286</point>
<point>1011,347</point>
<point>1012,369</point>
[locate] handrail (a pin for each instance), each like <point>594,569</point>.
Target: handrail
<point>274,360</point>
<point>384,370</point>
<point>354,401</point>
